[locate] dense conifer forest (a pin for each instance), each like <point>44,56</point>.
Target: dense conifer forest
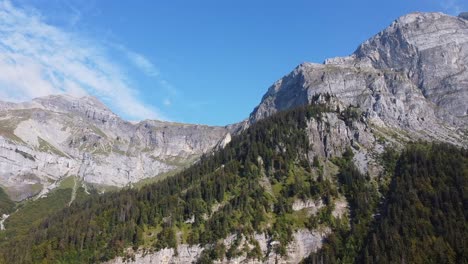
<point>422,217</point>
<point>419,217</point>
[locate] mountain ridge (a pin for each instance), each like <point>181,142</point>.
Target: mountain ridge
<point>70,136</point>
<point>393,82</point>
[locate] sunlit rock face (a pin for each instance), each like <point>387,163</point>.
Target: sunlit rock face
<point>53,137</point>
<point>412,76</point>
<point>408,82</point>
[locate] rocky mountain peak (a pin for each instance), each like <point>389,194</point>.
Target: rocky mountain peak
<point>463,15</point>
<point>410,76</point>
<point>85,106</point>
<point>431,49</point>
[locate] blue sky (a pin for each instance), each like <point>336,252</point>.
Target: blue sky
<point>206,62</point>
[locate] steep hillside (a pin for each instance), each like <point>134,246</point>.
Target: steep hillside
<point>264,198</point>
<point>254,185</point>
<point>422,218</point>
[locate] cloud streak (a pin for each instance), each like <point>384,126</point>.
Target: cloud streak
<point>452,6</point>
<point>37,59</point>
<point>142,63</point>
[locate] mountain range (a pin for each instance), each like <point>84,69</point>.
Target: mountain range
<point>408,83</point>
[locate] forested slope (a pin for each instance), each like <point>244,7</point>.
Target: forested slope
<point>422,218</point>
<point>103,226</point>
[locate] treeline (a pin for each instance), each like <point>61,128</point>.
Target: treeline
<point>156,216</point>
<point>416,214</point>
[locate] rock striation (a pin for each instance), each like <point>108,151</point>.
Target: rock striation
<point>408,82</point>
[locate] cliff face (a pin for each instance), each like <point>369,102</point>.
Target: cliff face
<point>408,82</point>
<point>49,138</point>
<point>304,242</point>
<point>411,77</point>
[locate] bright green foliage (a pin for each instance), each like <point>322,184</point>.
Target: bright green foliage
<point>250,186</point>
<point>32,212</point>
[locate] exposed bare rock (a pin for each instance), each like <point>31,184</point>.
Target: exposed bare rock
<point>52,137</point>
<point>341,208</point>
<point>311,206</point>
<point>304,242</point>
<point>408,82</point>
<point>410,78</point>
<point>463,15</point>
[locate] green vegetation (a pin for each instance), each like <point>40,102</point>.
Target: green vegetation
<point>415,212</point>
<point>32,212</point>
<point>344,244</point>
<point>6,205</point>
<point>101,227</point>
<point>67,183</point>
<point>422,219</point>
<point>47,147</point>
<point>8,126</point>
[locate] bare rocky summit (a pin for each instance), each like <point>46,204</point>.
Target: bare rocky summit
<point>411,76</point>
<point>406,83</point>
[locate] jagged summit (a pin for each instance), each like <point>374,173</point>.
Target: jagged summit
<point>463,15</point>
<point>406,83</point>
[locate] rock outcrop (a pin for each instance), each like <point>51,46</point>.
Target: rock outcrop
<point>304,242</point>
<point>406,83</point>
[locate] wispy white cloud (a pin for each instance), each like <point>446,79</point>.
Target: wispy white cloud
<point>37,59</point>
<point>453,7</point>
<point>141,62</point>
<point>167,102</point>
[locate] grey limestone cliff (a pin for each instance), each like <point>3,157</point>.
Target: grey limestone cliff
<point>50,138</point>
<point>408,82</point>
